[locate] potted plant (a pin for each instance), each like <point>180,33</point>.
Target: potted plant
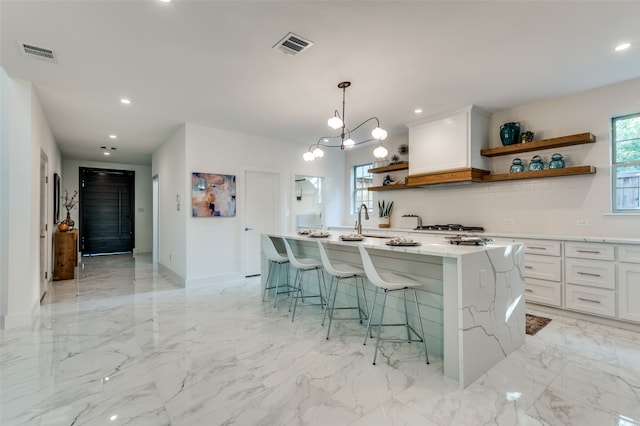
<point>69,202</point>
<point>384,211</point>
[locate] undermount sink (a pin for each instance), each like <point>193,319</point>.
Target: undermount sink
<point>378,236</point>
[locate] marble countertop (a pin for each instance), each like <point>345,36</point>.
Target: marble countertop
<point>432,245</point>
<point>413,232</point>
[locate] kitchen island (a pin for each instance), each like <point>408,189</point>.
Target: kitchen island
<point>472,300</point>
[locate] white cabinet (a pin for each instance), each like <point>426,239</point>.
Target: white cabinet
<point>590,278</point>
<point>591,300</point>
<point>594,273</point>
<point>449,141</point>
<point>589,250</point>
<point>629,283</point>
<point>543,272</point>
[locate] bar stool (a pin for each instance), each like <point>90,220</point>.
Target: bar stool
<point>303,265</point>
<point>341,271</point>
<point>391,283</point>
<point>276,260</point>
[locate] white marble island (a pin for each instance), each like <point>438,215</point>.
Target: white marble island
<point>472,300</point>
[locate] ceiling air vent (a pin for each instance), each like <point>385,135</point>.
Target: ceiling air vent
<point>37,52</point>
<point>293,44</point>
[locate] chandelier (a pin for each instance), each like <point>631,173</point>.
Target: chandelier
<point>338,122</point>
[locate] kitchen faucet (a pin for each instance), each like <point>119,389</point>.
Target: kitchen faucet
<point>366,216</point>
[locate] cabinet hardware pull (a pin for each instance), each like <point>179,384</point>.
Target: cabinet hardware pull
<point>528,291</point>
<point>589,300</point>
<point>537,248</point>
<point>589,251</point>
<point>589,274</point>
<point>528,267</point>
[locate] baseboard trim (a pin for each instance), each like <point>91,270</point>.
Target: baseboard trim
<point>213,279</point>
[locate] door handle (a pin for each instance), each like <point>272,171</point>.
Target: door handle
<point>248,229</point>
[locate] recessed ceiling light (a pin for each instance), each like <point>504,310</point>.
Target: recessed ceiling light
<point>165,1</point>
<point>125,101</point>
<point>417,111</point>
<point>106,153</point>
<point>113,137</point>
<point>623,46</point>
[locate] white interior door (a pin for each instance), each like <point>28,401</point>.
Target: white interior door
<point>262,214</point>
<point>156,208</point>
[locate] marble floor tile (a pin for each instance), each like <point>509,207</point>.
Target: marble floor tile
<point>124,344</point>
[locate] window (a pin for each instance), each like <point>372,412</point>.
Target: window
<point>625,158</point>
<point>361,180</point>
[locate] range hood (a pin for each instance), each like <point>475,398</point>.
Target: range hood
<point>445,148</point>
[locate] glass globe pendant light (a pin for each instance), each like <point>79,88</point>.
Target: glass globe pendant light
<point>337,122</point>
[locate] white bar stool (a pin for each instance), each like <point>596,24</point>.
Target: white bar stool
<point>303,265</point>
<point>390,283</point>
<point>341,271</point>
<point>276,260</point>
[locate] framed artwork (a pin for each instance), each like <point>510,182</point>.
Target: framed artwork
<point>213,195</point>
<point>56,198</point>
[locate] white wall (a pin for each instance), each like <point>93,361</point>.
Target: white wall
<point>537,206</point>
<point>169,165</point>
<point>142,199</point>
<point>213,246</point>
<point>25,134</point>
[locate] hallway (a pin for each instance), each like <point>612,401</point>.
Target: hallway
<point>123,344</point>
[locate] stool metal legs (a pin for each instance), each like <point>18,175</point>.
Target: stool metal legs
<point>410,329</point>
<point>298,292</point>
<point>331,303</point>
<point>273,266</point>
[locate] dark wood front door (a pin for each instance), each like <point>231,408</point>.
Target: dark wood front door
<point>106,211</point>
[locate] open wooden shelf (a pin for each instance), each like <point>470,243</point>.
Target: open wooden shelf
<point>466,174</point>
<point>567,171</point>
<point>391,168</point>
<point>389,187</point>
<point>577,139</point>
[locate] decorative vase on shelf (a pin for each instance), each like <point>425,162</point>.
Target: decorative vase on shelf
<point>63,227</point>
<point>556,162</point>
<point>536,163</point>
<point>510,133</point>
<point>516,166</point>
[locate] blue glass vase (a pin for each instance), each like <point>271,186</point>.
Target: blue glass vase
<point>536,163</point>
<point>556,162</point>
<point>516,166</point>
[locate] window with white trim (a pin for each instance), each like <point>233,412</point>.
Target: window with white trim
<point>625,163</point>
<point>361,180</point>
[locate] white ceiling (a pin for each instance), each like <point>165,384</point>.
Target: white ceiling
<point>211,63</point>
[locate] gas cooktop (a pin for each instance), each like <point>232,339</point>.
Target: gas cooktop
<point>450,227</point>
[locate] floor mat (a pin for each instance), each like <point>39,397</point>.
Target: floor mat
<point>535,324</point>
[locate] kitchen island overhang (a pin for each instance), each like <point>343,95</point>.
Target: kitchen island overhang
<point>474,295</point>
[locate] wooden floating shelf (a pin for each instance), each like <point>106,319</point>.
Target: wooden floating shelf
<point>567,171</point>
<point>447,176</point>
<point>391,168</point>
<point>577,139</point>
<point>389,187</point>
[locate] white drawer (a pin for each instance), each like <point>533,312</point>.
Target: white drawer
<point>589,250</point>
<point>544,247</point>
<point>543,267</point>
<point>594,273</point>
<point>543,292</point>
<point>629,254</point>
<point>591,300</point>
